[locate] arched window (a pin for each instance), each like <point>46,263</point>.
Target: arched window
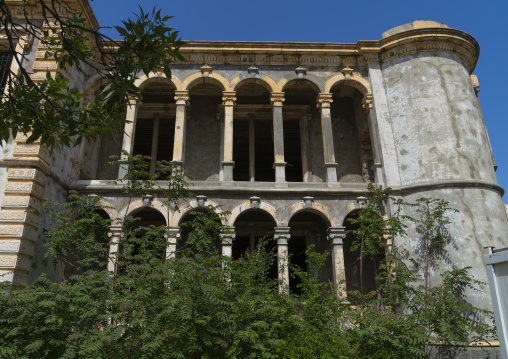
<point>360,276</point>
<point>308,229</point>
<point>251,227</point>
<point>351,136</point>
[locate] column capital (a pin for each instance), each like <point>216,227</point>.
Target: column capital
<point>182,97</point>
<point>173,234</point>
<point>324,100</point>
<point>367,102</point>
<point>229,98</point>
<point>336,235</point>
<point>281,235</point>
<point>133,101</point>
<point>228,235</point>
<point>115,230</point>
<point>277,98</point>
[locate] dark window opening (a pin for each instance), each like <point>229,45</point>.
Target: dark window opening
<point>5,65</point>
<point>352,264</point>
<point>292,151</point>
<point>241,150</point>
<point>264,151</point>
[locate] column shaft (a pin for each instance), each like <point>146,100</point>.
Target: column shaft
<point>129,133</point>
<point>324,101</point>
<point>155,143</point>
<point>282,237</point>
<point>336,236</point>
<point>115,233</point>
<point>252,150</point>
<point>277,100</point>
<point>173,235</point>
<point>228,100</point>
<point>182,100</point>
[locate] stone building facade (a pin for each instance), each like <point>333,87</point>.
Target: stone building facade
<point>286,137</point>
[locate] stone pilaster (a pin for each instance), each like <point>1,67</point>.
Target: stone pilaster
<point>115,233</point>
<point>228,100</point>
<point>336,236</point>
<point>27,176</point>
<point>129,133</point>
<point>182,101</point>
<point>279,165</point>
<point>282,237</point>
<point>324,101</point>
<point>173,235</point>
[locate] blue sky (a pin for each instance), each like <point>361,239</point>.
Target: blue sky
<point>341,21</point>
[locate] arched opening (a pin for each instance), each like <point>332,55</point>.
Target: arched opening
<point>366,281</point>
<point>95,255</point>
<point>251,227</point>
<point>308,229</point>
<point>351,136</point>
<point>145,238</point>
<point>253,151</point>
<point>196,222</point>
<point>203,140</point>
<point>155,123</point>
<point>303,144</point>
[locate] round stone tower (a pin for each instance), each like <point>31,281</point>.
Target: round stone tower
<point>434,142</point>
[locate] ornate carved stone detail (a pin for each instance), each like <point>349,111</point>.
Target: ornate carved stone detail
<point>367,102</point>
<point>300,71</point>
<point>255,201</point>
<point>308,201</point>
<point>347,71</point>
<point>206,70</point>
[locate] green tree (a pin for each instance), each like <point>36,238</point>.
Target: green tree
<point>53,110</point>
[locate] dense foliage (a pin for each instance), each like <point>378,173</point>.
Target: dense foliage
<point>200,304</point>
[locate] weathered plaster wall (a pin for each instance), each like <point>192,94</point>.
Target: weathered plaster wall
<point>436,120</point>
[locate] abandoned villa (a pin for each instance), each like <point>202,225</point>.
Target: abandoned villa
<point>286,137</point>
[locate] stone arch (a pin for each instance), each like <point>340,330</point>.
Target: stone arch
<point>109,208</point>
<point>263,80</point>
<point>158,76</point>
<point>320,209</point>
<point>178,215</point>
<point>138,204</point>
<point>315,82</point>
<point>355,81</point>
<point>192,80</point>
<point>345,210</point>
<point>263,205</point>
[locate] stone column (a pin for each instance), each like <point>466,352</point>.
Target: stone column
<point>172,235</point>
<point>182,101</point>
<point>304,143</point>
<point>227,241</point>
<point>228,100</point>
<point>155,142</point>
<point>252,149</point>
<point>115,233</point>
<point>279,165</point>
<point>282,237</point>
<point>336,235</point>
<point>324,101</point>
<point>129,133</point>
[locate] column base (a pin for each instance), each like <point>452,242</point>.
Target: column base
<point>331,172</point>
<point>227,170</point>
<point>280,172</point>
